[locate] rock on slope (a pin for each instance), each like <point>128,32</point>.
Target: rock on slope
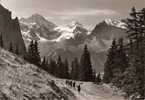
<point>10,30</point>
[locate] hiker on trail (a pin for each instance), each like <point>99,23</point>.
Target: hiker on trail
<point>71,83</point>
<point>66,82</point>
<point>74,84</point>
<point>79,88</point>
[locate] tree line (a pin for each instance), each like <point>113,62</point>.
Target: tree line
<point>78,70</point>
<point>125,64</point>
<point>12,48</point>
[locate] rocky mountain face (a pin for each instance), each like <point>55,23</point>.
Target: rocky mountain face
<point>11,32</point>
<point>36,27</point>
<point>72,34</point>
<point>72,38</point>
<point>109,29</point>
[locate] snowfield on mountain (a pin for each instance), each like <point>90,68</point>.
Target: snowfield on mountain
<point>23,81</point>
<point>70,31</point>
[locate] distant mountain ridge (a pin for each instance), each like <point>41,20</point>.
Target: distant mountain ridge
<point>37,27</point>
<point>109,29</point>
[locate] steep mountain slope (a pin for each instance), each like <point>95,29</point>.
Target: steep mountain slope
<point>109,29</point>
<point>23,81</point>
<point>10,30</point>
<point>38,28</point>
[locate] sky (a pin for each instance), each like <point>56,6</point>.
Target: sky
<point>61,12</point>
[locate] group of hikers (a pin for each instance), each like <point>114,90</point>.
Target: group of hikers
<point>73,84</point>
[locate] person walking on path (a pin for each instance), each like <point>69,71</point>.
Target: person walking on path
<point>79,88</point>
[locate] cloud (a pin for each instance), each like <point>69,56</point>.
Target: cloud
<point>87,12</point>
<point>82,13</point>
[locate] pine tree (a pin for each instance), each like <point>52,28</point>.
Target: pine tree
<point>11,47</point>
<point>33,53</point>
<point>130,82</point>
<point>136,32</point>
<point>121,63</point>
<point>53,69</point>
<point>75,69</point>
<point>132,26</point>
<point>1,41</point>
<point>65,73</point>
<point>136,29</point>
<point>59,67</point>
<point>142,67</point>
<point>110,63</point>
<point>43,64</point>
<point>17,50</point>
<point>86,71</point>
<point>37,54</point>
<point>30,55</point>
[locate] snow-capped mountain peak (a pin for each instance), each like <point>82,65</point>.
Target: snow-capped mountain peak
<point>75,24</point>
<point>116,23</point>
<point>37,16</point>
<point>70,31</point>
<point>38,19</point>
<point>38,26</point>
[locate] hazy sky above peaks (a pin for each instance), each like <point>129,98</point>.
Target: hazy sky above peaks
<point>87,12</point>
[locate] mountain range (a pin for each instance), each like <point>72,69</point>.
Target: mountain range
<point>68,40</point>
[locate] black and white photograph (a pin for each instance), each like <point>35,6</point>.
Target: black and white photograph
<point>72,49</point>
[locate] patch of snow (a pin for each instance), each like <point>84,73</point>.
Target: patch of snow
<point>66,33</point>
<point>30,25</point>
<point>75,24</point>
<point>26,36</point>
<point>116,23</point>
